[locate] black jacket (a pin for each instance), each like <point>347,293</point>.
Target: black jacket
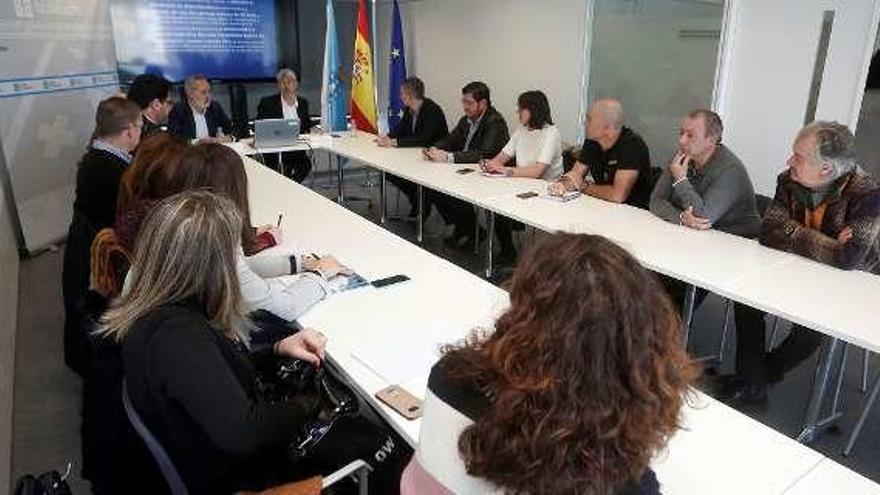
<point>97,186</point>
<point>491,135</point>
<point>196,390</point>
<point>182,123</point>
<point>270,108</point>
<point>430,127</point>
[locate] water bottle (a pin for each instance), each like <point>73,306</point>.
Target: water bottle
<point>349,126</point>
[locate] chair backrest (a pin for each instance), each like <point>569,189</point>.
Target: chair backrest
<point>172,477</point>
<point>762,202</point>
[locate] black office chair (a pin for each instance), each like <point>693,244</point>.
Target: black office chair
<point>169,471</point>
<point>358,469</point>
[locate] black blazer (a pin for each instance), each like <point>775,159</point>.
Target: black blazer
<point>490,137</point>
<point>182,123</point>
<point>97,186</point>
<point>430,127</point>
<point>196,390</point>
<point>270,108</point>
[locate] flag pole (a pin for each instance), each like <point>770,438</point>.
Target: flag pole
<point>376,66</point>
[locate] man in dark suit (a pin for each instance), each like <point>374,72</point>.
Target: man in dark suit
<point>199,117</point>
<point>422,124</point>
<point>152,94</point>
<point>117,132</point>
<point>480,134</point>
<point>286,104</point>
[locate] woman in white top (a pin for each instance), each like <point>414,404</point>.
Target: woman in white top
<point>219,169</point>
<point>536,145</point>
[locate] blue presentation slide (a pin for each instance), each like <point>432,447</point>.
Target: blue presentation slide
<point>221,39</point>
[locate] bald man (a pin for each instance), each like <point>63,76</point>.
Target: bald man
<point>614,163</point>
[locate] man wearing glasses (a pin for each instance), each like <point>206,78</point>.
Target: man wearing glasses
<point>199,117</point>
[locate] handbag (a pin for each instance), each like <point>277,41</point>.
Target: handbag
<point>48,483</point>
<point>345,428</point>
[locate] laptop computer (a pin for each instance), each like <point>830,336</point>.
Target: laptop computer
<point>275,133</point>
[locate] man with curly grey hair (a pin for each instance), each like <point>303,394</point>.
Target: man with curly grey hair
<point>826,208</point>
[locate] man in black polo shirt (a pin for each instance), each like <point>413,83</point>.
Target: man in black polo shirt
<point>614,163</point>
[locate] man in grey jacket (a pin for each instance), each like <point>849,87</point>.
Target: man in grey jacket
<point>706,185</point>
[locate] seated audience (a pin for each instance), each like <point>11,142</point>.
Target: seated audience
<point>579,386</point>
<point>111,452</point>
<point>144,183</point>
<point>614,163</point>
<point>422,124</point>
<point>479,135</point>
<point>536,151</point>
<point>188,372</point>
<point>199,117</point>
<point>217,168</point>
<point>153,95</point>
<point>287,104</point>
<point>826,208</point>
<point>117,133</point>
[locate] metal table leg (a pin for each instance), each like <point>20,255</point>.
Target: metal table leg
<point>340,178</point>
<point>383,208</point>
<point>490,238</point>
<point>420,228</point>
<point>476,230</point>
<point>812,422</point>
<point>687,312</point>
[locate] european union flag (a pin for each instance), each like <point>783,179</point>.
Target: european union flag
<point>397,72</point>
<point>332,91</point>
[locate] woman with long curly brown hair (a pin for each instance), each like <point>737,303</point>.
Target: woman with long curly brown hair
<point>577,388</point>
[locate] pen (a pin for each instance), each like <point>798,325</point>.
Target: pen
<point>315,256</point>
<point>280,215</point>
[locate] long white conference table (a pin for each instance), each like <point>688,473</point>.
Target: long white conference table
<point>838,303</point>
<point>392,335</point>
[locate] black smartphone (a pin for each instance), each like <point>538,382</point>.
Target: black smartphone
<point>527,195</point>
<point>463,171</point>
<point>384,282</point>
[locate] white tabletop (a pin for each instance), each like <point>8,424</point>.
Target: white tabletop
<point>835,302</point>
<point>445,302</point>
<point>829,477</point>
<point>721,451</point>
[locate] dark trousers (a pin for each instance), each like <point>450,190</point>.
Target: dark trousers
<point>297,164</point>
<point>411,191</point>
<point>504,228</point>
<point>753,363</point>
<point>455,211</point>
<point>759,367</point>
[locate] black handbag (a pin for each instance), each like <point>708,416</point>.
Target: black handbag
<point>48,483</point>
<point>346,427</point>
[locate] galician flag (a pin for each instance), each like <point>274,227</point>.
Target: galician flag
<point>363,96</point>
<point>397,70</point>
<point>332,91</point>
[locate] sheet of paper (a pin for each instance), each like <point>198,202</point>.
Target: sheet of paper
<point>402,358</point>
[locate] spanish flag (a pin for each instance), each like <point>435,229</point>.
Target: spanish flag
<point>363,96</point>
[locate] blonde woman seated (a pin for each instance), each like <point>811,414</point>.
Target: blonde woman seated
<point>187,369</point>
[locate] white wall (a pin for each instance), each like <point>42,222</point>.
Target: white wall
<point>770,51</point>
<point>512,45</point>
<point>8,325</point>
